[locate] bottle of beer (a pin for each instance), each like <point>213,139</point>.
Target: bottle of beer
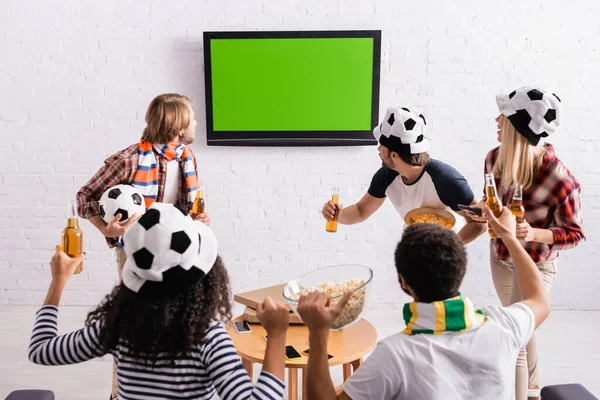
<point>332,225</point>
<point>516,204</point>
<point>492,200</point>
<point>198,205</point>
<point>72,237</point>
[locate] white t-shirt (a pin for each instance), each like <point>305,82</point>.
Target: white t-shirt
<point>477,364</point>
<point>172,182</point>
<point>439,186</point>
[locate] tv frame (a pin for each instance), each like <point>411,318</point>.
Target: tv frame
<point>292,138</point>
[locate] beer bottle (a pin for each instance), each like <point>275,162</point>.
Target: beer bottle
<point>198,205</point>
<point>332,225</point>
<point>492,200</point>
<point>516,204</point>
<point>72,237</point>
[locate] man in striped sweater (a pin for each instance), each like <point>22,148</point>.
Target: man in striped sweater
<point>162,324</point>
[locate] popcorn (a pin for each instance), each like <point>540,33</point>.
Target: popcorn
<point>335,291</point>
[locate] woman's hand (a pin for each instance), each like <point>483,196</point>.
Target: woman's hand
<point>525,232</point>
<point>62,266</point>
<point>274,317</point>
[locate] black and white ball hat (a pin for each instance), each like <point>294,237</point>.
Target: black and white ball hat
<point>403,131</point>
<point>167,252</point>
<point>534,113</point>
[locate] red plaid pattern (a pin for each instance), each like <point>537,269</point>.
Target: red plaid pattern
<point>120,168</point>
<point>551,202</point>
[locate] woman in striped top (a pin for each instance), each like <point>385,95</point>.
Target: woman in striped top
<point>162,323</point>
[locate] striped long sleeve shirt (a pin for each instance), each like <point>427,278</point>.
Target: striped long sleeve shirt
<point>212,368</point>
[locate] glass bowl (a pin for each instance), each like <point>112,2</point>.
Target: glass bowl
<point>335,280</point>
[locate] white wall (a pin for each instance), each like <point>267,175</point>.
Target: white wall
<point>77,76</point>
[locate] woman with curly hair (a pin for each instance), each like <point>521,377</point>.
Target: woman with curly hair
<point>162,323</point>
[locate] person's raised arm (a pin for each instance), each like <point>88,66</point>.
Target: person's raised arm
<point>527,273</point>
<point>355,213</point>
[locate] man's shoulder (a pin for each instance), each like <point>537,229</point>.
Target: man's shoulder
<point>517,321</point>
<point>127,153</point>
<point>386,173</point>
<point>399,343</point>
<point>440,170</point>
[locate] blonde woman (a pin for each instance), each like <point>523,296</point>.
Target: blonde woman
<point>551,197</point>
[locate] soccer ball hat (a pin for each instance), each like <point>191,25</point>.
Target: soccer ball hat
<point>167,252</point>
<point>534,113</point>
<point>403,131</point>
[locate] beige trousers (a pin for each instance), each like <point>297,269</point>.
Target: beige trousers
<point>504,278</point>
<point>121,257</point>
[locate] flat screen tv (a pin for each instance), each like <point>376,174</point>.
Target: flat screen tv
<point>300,88</point>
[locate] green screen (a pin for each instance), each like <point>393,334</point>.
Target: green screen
<point>307,84</point>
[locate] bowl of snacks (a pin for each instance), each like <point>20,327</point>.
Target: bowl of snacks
<point>335,281</point>
<point>430,215</point>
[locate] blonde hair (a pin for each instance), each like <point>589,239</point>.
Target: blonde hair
<point>167,115</point>
<point>518,160</point>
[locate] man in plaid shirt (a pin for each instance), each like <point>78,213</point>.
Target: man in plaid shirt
<point>170,127</point>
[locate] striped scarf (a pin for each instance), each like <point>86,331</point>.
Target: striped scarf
<point>453,315</point>
<point>146,176</point>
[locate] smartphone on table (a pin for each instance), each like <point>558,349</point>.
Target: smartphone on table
<point>305,352</point>
<point>292,354</point>
<point>242,327</point>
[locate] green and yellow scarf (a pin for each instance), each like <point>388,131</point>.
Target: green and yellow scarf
<point>453,315</point>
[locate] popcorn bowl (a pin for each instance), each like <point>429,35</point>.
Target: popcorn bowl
<point>335,281</point>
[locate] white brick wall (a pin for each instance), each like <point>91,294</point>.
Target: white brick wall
<point>77,76</point>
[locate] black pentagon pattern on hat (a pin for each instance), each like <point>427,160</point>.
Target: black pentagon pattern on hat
<point>409,124</point>
<point>420,139</point>
<point>113,194</point>
<point>150,218</point>
<point>180,242</point>
<point>102,211</point>
<point>199,243</point>
<point>535,94</point>
<point>391,119</point>
<point>523,117</point>
<point>554,94</point>
<point>550,115</point>
<point>143,258</point>
<point>512,94</point>
<point>423,118</point>
<point>137,199</point>
<point>124,214</point>
<point>175,280</point>
<point>405,109</point>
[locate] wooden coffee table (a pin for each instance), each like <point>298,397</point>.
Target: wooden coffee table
<point>347,347</point>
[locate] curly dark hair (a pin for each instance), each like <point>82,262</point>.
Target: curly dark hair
<point>433,261</point>
<point>171,324</point>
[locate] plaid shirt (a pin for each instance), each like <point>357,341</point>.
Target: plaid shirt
<point>120,168</point>
<point>551,202</point>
